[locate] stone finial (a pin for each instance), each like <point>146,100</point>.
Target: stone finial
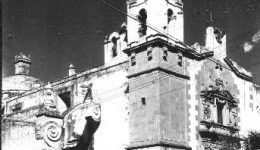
<point>123,28</point>
<point>48,88</point>
<point>49,99</point>
<point>22,64</point>
<point>72,70</point>
<point>22,57</point>
<point>106,39</point>
<point>123,25</point>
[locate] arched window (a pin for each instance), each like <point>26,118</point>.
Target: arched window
<point>114,47</point>
<point>142,19</point>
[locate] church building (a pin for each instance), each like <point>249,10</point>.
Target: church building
<point>153,92</point>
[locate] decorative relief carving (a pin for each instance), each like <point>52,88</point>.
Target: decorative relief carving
<point>233,116</point>
<point>165,53</point>
<point>86,91</point>
<point>133,59</point>
<point>218,105</point>
<point>206,111</point>
<point>38,133</point>
<point>75,120</point>
<point>180,61</point>
<point>133,3</point>
<point>220,102</point>
<point>52,133</point>
<point>70,132</point>
<point>219,83</point>
<point>149,53</point>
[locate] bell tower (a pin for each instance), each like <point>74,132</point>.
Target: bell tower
<point>165,16</point>
<point>158,79</point>
<point>158,76</point>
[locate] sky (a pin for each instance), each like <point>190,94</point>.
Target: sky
<point>59,32</point>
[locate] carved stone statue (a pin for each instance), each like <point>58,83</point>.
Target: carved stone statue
<point>233,117</point>
<point>206,112</point>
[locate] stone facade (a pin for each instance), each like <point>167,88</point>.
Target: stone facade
<point>153,92</point>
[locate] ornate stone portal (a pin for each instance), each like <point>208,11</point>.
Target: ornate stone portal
<point>73,130</point>
<point>218,125</point>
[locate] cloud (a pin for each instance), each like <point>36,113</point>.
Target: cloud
<point>248,47</point>
<point>256,37</point>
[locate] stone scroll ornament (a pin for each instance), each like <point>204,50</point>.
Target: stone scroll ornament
<point>75,130</point>
<point>81,123</point>
<point>52,133</point>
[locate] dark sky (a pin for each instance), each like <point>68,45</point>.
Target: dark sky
<point>59,32</point>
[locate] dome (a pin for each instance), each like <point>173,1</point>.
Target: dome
<point>20,83</point>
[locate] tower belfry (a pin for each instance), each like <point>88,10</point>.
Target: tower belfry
<point>158,75</point>
<point>165,16</point>
<point>158,110</point>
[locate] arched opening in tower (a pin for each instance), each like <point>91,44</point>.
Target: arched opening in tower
<point>142,20</point>
<point>114,47</point>
<point>169,15</point>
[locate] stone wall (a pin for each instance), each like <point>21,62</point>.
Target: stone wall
<point>109,89</point>
<point>17,134</point>
<point>202,75</point>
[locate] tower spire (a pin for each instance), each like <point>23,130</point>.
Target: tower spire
<point>211,21</point>
<point>211,17</point>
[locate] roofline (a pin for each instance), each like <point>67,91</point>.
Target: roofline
<point>237,72</point>
<point>65,79</point>
<point>173,46</point>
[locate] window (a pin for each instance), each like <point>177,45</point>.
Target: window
<point>16,107</point>
<point>143,100</point>
<point>220,107</point>
<point>114,48</point>
<point>66,98</point>
<point>142,20</point>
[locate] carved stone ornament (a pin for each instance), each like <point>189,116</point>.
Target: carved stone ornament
<point>165,53</point>
<point>149,53</point>
<point>74,131</point>
<point>132,59</point>
<point>206,111</point>
<point>233,116</point>
<point>38,133</point>
<point>51,132</point>
<point>133,3</point>
<point>219,83</point>
<point>75,122</point>
<point>87,91</point>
